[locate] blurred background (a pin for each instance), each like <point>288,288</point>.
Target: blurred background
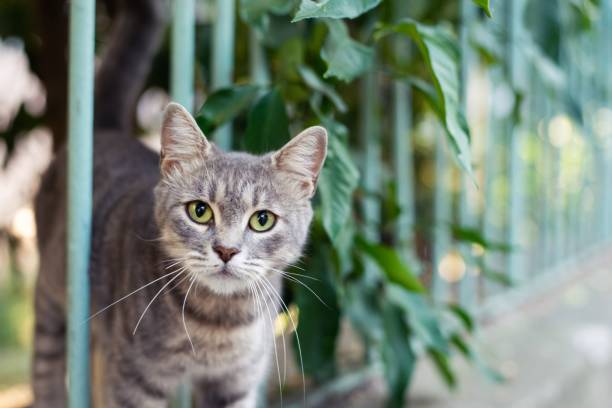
<point>461,244</point>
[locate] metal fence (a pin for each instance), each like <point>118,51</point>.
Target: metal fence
<point>544,172</point>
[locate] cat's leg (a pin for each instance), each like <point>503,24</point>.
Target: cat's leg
<point>236,390</point>
<point>49,361</point>
<point>212,394</point>
<point>132,383</point>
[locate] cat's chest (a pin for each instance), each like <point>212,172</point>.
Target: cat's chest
<point>218,349</point>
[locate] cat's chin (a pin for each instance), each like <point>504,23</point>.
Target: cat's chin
<point>224,284</point>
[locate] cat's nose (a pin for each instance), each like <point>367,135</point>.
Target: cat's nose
<point>225,253</point>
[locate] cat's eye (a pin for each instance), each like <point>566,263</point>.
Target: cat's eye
<point>199,212</point>
<point>262,221</point>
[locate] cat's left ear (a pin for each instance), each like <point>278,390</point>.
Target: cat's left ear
<point>182,141</point>
<point>303,156</point>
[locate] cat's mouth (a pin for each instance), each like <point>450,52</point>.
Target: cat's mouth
<point>225,280</point>
<point>225,272</point>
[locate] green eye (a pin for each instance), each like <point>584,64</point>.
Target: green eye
<point>262,221</point>
<point>199,212</point>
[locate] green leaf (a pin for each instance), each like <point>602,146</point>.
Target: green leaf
<point>334,8</point>
<point>317,84</point>
<point>391,264</point>
<point>463,315</point>
<point>462,346</point>
<point>268,125</point>
<point>498,277</point>
<point>488,43</point>
<point>485,5</point>
<point>397,356</point>
<point>474,357</point>
<point>474,236</point>
<point>256,12</point>
<point>224,105</point>
<point>317,335</point>
<point>441,54</point>
<point>346,58</point>
<point>421,315</point>
<point>361,303</point>
<point>429,91</point>
<point>444,368</point>
<point>337,183</point>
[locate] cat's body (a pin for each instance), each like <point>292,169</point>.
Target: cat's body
<point>210,307</point>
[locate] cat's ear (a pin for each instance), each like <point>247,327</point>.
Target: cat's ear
<point>182,141</point>
<point>303,157</point>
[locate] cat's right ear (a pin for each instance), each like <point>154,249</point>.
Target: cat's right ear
<point>182,141</point>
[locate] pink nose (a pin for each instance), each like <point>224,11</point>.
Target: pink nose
<point>225,253</point>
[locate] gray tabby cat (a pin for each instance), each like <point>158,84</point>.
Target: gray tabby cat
<point>204,234</point>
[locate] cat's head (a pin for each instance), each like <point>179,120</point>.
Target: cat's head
<point>230,218</point>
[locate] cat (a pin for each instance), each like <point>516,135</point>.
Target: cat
<point>202,233</point>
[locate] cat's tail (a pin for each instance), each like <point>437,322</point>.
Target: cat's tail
<point>126,62</point>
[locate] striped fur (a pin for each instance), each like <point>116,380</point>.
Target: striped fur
<point>202,319</point>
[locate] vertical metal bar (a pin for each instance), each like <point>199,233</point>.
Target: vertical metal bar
<point>182,90</point>
<point>183,397</point>
<point>536,200</point>
<point>258,65</point>
<point>557,226</point>
<point>492,170</point>
<point>403,164</point>
<point>369,145</point>
<point>548,188</point>
<point>467,285</point>
<point>516,214</point>
<point>183,52</point>
<point>80,191</point>
<point>442,215</point>
<point>606,25</point>
<point>403,169</point>
<point>371,149</point>
<point>223,60</point>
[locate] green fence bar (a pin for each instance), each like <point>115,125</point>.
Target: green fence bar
<point>403,169</point>
<point>403,165</point>
<point>223,60</point>
<point>182,90</point>
<point>467,285</point>
<point>515,266</point>
<point>370,143</point>
<point>80,192</point>
<point>442,216</point>
<point>492,170</point>
<point>183,51</point>
<point>258,66</point>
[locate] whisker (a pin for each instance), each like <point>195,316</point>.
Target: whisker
<point>261,265</point>
<point>280,384</point>
<point>153,300</point>
<point>158,239</point>
<point>254,276</point>
<point>294,274</point>
<point>292,279</point>
<point>295,329</point>
<point>295,266</point>
<point>131,293</point>
<point>183,315</point>
<point>176,262</point>
<point>170,260</point>
<point>170,289</point>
